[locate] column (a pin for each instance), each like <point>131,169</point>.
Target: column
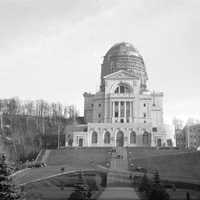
<point>119,114</point>
<point>110,113</point>
<point>125,111</point>
<point>131,119</point>
<point>113,111</point>
<point>105,111</point>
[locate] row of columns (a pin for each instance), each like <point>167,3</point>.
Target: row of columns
<point>119,111</point>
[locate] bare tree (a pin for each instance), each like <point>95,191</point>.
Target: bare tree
<point>178,123</point>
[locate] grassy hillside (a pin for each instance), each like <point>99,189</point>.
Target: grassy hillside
<point>180,167</point>
<point>79,156</point>
<point>146,152</point>
<point>62,185</point>
<point>70,158</point>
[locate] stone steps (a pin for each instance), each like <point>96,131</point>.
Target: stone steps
<point>117,175</point>
<point>118,179</point>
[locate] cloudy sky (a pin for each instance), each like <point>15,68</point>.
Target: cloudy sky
<point>52,49</point>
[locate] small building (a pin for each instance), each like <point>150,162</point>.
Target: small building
<point>192,136</point>
<point>180,138</point>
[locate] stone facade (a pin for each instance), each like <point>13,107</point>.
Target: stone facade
<point>180,138</point>
<point>192,136</point>
<point>124,112</point>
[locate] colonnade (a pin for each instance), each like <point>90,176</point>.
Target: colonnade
<point>122,111</point>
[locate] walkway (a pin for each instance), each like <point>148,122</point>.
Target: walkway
<point>119,193</point>
<point>118,182</point>
<point>122,162</point>
<point>117,176</point>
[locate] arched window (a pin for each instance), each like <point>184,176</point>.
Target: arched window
<point>94,137</point>
<point>132,137</point>
<point>107,138</point>
<point>121,89</point>
<point>146,138</point>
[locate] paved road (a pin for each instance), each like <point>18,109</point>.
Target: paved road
<point>119,193</point>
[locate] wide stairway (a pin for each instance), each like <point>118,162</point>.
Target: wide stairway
<point>118,174</point>
<point>118,181</point>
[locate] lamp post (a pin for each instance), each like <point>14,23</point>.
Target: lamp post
<point>58,134</point>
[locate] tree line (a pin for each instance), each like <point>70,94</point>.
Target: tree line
<point>40,108</point>
<point>28,126</point>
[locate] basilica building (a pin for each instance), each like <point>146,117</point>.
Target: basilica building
<point>124,112</point>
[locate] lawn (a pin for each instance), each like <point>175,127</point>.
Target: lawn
<point>180,194</point>
<point>79,157</point>
<point>180,166</point>
<point>60,187</point>
<point>70,159</point>
<point>146,152</point>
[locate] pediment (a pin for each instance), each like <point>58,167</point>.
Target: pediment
<point>121,74</point>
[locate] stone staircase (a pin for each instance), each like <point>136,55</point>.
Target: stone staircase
<point>118,174</point>
<point>118,179</point>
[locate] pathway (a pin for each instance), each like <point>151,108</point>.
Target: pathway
<point>117,176</point>
<point>118,182</point>
<point>119,193</point>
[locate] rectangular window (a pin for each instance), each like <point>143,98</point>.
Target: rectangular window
<point>127,109</point>
<point>116,109</point>
<point>154,129</point>
<point>144,115</point>
<point>121,109</point>
<point>144,104</point>
<point>99,105</point>
<point>99,115</point>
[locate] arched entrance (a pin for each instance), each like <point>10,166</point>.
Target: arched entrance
<point>146,138</point>
<point>120,139</point>
<point>159,143</point>
<point>80,142</point>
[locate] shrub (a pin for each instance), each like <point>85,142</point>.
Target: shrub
<point>145,185</point>
<point>153,190</point>
<point>158,193</point>
<point>8,190</point>
<point>82,192</point>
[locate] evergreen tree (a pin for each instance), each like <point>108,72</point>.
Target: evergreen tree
<point>156,178</point>
<point>157,192</point>
<point>145,185</point>
<point>8,191</point>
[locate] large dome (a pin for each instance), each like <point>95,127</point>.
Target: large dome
<point>123,56</point>
<point>122,49</point>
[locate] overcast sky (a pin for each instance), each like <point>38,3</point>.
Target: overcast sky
<point>53,49</point>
